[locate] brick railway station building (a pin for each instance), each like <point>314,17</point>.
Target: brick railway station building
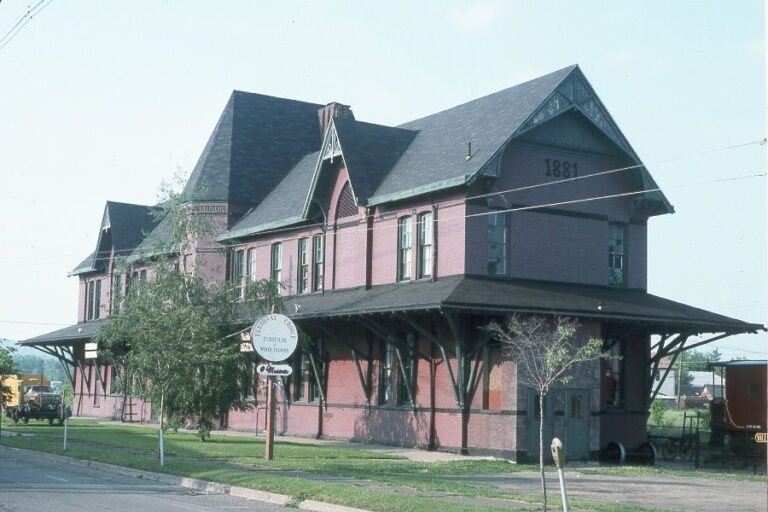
<point>394,245</point>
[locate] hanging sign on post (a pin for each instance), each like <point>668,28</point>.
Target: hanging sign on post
<point>274,337</point>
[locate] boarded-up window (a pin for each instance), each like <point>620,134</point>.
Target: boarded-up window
<point>492,378</point>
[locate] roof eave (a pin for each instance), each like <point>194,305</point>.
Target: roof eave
<point>258,230</point>
<point>417,191</point>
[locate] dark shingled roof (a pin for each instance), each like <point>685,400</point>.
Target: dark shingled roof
<point>283,206</point>
<point>476,293</point>
<point>84,266</point>
<point>257,140</point>
<point>428,154</point>
<point>483,294</point>
<point>68,335</point>
<point>370,151</point>
<point>128,225</point>
<point>436,158</point>
<point>158,241</point>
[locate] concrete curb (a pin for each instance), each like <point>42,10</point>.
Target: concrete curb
<point>199,485</point>
<point>319,506</point>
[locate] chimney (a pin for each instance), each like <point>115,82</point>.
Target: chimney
<point>330,111</point>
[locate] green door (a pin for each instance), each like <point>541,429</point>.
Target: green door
<point>577,423</point>
<point>532,424</point>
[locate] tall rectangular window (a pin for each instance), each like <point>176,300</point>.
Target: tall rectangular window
<point>404,249</point>
<point>116,293</point>
<point>94,300</point>
<point>616,253</point>
<point>239,274</point>
<point>408,362</point>
<point>276,269</point>
<point>318,257</point>
<point>89,300</point>
<point>424,226</point>
<point>303,282</point>
<point>251,265</point>
<point>613,375</point>
<point>387,374</point>
<point>497,243</point>
<point>312,376</point>
<point>298,376</point>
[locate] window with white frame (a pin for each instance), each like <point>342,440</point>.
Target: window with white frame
<point>404,249</point>
<point>239,274</point>
<point>93,302</point>
<point>616,253</point>
<point>318,257</point>
<point>116,292</point>
<point>424,235</point>
<point>276,268</point>
<point>497,243</point>
<point>303,274</point>
<point>251,264</point>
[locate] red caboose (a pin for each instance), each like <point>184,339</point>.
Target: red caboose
<point>741,412</point>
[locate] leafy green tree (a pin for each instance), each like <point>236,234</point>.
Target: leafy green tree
<point>173,339</point>
<point>7,368</point>
<point>544,349</point>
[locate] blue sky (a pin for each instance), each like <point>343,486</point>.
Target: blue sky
<point>103,100</point>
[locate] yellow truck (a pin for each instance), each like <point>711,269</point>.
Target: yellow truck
<point>33,398</point>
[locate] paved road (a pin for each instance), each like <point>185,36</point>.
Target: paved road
<point>31,483</point>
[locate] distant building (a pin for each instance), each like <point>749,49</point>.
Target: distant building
<point>396,244</point>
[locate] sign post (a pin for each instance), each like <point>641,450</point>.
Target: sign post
<point>274,337</point>
<point>559,456</point>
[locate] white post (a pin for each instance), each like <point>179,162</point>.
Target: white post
<point>66,420</point>
<point>559,456</point>
<point>162,448</point>
<point>563,494</point>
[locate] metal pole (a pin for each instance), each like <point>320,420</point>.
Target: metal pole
<point>268,449</point>
<point>563,494</point>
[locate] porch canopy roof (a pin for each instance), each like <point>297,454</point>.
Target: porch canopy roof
<point>477,294</point>
<point>70,335</point>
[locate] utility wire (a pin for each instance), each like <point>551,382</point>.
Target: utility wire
<point>31,323</point>
<point>472,215</point>
<point>22,21</point>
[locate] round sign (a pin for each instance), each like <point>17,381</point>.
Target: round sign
<point>274,337</point>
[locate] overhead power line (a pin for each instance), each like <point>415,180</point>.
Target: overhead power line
<point>22,21</point>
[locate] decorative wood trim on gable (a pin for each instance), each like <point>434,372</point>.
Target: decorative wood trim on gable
<point>331,145</point>
<point>575,92</point>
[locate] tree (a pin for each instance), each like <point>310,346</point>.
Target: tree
<point>7,368</point>
<point>544,349</point>
<point>172,339</point>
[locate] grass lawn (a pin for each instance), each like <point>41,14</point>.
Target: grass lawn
<point>346,476</point>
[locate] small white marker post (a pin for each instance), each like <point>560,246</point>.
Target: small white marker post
<point>66,421</point>
<point>559,456</point>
